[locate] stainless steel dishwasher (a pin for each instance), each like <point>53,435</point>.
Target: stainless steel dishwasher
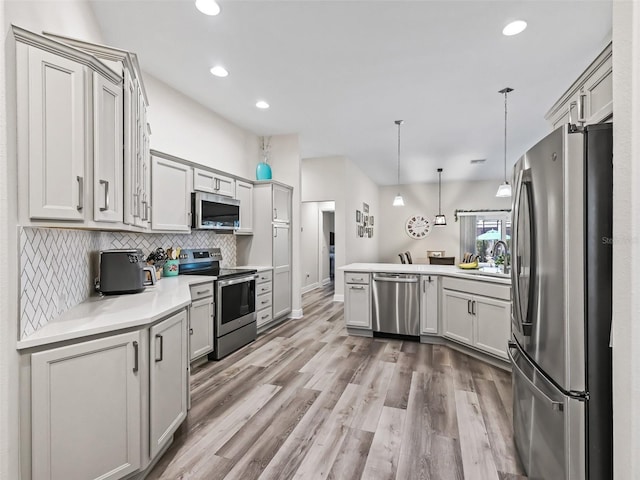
<point>396,303</point>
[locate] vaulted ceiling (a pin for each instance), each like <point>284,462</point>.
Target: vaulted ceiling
<point>339,73</point>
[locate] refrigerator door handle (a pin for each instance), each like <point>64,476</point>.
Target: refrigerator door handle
<point>558,406</point>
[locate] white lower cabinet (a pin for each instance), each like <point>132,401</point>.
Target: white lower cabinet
<point>168,379</point>
<point>477,321</point>
<point>85,409</point>
<point>357,301</point>
<point>429,304</point>
<point>201,327</point>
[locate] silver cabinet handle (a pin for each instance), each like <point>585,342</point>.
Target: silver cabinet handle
<point>145,210</point>
<point>581,107</point>
<point>106,195</point>
<point>558,406</point>
<point>161,348</point>
<point>135,358</point>
<point>80,192</point>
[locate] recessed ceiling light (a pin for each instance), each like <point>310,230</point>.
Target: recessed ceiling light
<point>514,28</point>
<point>262,104</point>
<point>219,71</point>
<point>208,7</point>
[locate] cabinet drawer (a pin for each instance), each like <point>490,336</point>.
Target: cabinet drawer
<point>478,287</point>
<point>263,288</point>
<point>266,276</point>
<point>264,300</point>
<point>201,291</point>
<point>264,316</point>
<point>355,277</point>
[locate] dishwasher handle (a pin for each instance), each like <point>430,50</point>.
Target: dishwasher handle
<point>398,279</point>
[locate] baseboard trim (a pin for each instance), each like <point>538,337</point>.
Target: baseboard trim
<point>308,288</point>
<point>338,298</point>
<point>295,314</point>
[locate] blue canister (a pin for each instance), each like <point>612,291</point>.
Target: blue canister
<point>263,171</point>
<point>170,268</point>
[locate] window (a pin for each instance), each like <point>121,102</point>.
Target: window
<point>479,232</point>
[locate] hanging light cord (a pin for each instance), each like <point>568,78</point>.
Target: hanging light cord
<point>439,191</point>
<point>399,122</point>
<point>505,90</point>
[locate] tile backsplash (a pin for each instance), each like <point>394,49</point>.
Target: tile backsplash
<point>58,266</point>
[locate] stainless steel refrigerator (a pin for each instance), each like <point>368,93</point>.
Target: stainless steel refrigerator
<point>561,314</point>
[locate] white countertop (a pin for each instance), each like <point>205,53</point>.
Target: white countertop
<point>419,269</point>
<point>116,312</point>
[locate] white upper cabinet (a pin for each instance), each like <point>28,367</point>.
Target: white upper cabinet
<point>590,99</point>
<point>207,181</point>
<point>244,193</point>
<point>281,204</point>
<point>55,135</point>
<point>108,151</point>
<point>170,195</point>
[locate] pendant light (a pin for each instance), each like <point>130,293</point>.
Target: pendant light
<point>398,201</point>
<point>440,218</point>
<point>504,190</point>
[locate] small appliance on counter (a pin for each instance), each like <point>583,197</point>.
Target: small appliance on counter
<point>123,271</point>
<point>234,299</point>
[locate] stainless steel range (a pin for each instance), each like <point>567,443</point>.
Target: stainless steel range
<point>234,299</point>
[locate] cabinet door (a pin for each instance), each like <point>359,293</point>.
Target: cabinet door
<point>244,193</point>
<point>429,305</point>
<point>281,270</point>
<point>170,195</point>
<point>57,131</point>
<point>357,308</point>
<point>108,152</point>
<point>492,324</point>
<point>168,380</point>
<point>131,181</point>
<point>85,410</point>
<point>201,330</point>
<point>598,93</point>
<point>281,204</point>
<point>457,320</point>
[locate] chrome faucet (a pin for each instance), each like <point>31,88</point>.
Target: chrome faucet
<point>502,244</point>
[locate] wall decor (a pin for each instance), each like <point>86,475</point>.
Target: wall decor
<point>364,222</point>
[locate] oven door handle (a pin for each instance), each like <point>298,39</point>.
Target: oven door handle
<point>233,281</point>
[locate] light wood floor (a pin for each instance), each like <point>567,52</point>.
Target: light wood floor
<point>306,401</point>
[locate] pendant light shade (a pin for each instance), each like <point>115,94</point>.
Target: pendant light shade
<point>398,201</point>
<point>440,218</point>
<point>504,190</point>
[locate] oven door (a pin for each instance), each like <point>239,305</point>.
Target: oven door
<point>236,304</point>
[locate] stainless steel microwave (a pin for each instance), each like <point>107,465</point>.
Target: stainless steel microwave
<point>214,212</point>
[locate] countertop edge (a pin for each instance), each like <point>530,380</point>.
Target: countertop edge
<point>83,320</point>
<point>419,269</point>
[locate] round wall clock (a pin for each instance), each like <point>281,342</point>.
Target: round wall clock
<point>418,226</point>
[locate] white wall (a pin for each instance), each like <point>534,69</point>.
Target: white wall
<point>626,235</point>
<point>286,168</point>
<point>184,128</point>
<point>338,179</point>
<point>423,199</point>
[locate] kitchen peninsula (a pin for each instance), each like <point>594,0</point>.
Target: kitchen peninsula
<point>466,309</point>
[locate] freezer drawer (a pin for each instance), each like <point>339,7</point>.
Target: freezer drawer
<point>549,426</point>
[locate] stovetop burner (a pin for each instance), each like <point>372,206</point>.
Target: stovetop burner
<point>206,261</point>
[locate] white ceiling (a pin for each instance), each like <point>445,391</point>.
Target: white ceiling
<point>339,73</point>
